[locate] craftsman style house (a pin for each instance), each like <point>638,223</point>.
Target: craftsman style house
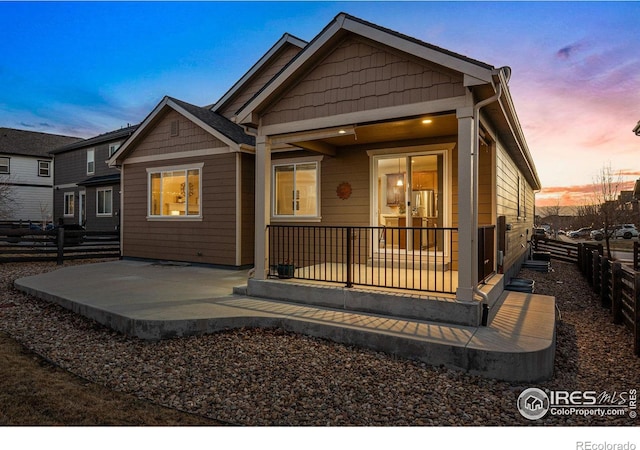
<point>363,158</point>
<point>86,189</point>
<point>27,169</point>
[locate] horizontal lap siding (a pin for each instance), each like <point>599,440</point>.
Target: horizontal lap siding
<point>210,241</point>
<point>361,75</point>
<point>351,167</point>
<point>507,179</point>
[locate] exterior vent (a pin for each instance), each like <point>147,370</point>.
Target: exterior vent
<point>175,128</point>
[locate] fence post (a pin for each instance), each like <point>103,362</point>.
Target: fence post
<point>60,232</point>
<point>605,268</point>
<point>636,314</point>
<point>349,258</point>
<point>616,300</point>
<point>596,271</point>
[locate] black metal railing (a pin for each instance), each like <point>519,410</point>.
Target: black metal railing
<point>391,257</point>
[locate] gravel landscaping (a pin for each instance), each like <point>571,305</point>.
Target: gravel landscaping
<point>271,377</point>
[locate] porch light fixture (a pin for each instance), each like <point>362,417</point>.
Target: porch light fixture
<point>427,121</point>
<point>342,131</point>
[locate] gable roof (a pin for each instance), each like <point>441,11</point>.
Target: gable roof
<point>217,125</point>
<point>476,71</point>
<point>218,122</point>
<point>31,143</point>
<point>100,139</point>
<point>262,62</point>
<point>481,77</point>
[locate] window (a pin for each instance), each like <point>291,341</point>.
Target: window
<point>295,189</point>
<point>91,162</point>
<point>69,204</point>
<point>4,165</point>
<point>44,168</point>
<point>175,192</point>
<point>104,202</point>
<point>114,148</point>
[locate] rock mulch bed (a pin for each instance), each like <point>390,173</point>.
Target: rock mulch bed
<point>271,377</point>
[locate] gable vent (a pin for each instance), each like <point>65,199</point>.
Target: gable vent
<point>175,128</point>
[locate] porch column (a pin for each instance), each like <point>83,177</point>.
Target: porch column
<point>466,233</point>
<point>263,205</point>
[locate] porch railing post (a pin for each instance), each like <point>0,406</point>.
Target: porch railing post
<point>349,232</point>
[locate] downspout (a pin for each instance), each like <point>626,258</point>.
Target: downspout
<point>476,149</point>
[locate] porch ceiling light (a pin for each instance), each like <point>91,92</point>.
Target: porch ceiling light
<point>427,121</point>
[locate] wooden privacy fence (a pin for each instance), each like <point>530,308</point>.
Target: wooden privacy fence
<point>23,244</point>
<point>618,287</point>
<point>560,250</point>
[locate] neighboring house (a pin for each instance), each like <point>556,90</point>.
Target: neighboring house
<point>378,159</point>
<point>188,176</point>
<point>27,167</point>
<point>86,189</point>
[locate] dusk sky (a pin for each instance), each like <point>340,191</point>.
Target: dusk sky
<point>83,69</point>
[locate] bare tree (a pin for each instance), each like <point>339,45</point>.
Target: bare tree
<point>610,212</point>
<point>7,202</point>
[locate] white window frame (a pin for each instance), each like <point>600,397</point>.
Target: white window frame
<point>91,161</point>
<point>7,171</point>
<point>295,162</point>
<point>114,148</point>
<point>186,168</point>
<point>104,213</point>
<point>69,206</point>
<point>47,168</point>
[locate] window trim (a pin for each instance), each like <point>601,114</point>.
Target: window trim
<point>65,211</point>
<point>91,160</point>
<point>103,214</point>
<point>48,163</point>
<point>295,162</point>
<point>8,165</point>
<point>184,167</point>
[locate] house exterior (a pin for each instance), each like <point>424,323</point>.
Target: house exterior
<point>27,168</point>
<point>188,176</point>
<point>86,189</point>
<point>373,158</point>
<point>371,109</point>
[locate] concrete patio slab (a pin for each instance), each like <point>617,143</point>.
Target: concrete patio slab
<point>157,301</point>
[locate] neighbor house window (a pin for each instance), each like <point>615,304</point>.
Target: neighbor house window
<point>91,162</point>
<point>69,204</point>
<point>44,168</point>
<point>104,202</point>
<point>113,148</point>
<point>4,165</point>
<point>175,192</point>
<point>295,189</point>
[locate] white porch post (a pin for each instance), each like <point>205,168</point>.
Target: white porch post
<point>263,206</point>
<point>467,267</point>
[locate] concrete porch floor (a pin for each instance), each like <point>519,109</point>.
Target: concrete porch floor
<point>156,301</point>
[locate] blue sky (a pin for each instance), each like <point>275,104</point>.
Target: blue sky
<point>86,68</point>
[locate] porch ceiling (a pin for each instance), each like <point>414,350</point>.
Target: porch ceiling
<point>407,129</point>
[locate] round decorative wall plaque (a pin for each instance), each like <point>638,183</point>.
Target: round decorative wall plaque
<point>344,190</point>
